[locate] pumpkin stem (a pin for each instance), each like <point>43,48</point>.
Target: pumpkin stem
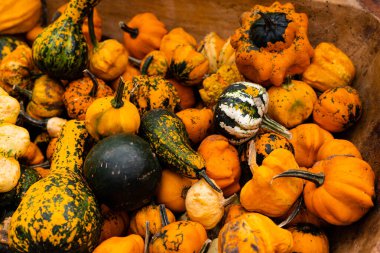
<point>22,91</point>
<point>145,66</point>
<point>147,236</point>
<point>91,28</point>
<point>268,22</point>
<point>276,127</point>
<point>133,32</point>
<point>205,246</point>
<point>230,199</point>
<point>117,101</point>
<point>45,165</point>
<point>135,62</point>
<point>293,214</point>
<point>41,123</point>
<point>163,215</point>
<point>94,81</point>
<point>288,80</point>
<point>202,174</point>
<point>317,178</point>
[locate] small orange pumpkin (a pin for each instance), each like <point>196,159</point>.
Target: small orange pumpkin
<point>129,244</point>
<point>185,93</point>
<point>307,237</point>
<point>337,147</point>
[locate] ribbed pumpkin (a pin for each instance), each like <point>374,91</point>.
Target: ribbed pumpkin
<point>337,147</point>
<point>272,43</point>
<point>210,46</point>
<point>151,92</point>
<point>291,103</point>
<point>338,109</point>
<point>19,16</point>
<point>142,34</point>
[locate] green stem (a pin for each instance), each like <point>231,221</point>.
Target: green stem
<point>133,32</point>
<point>95,86</point>
<point>317,178</point>
<point>41,123</point>
<point>163,215</point>
<point>276,127</point>
<point>91,28</point>
<point>147,236</point>
<point>145,66</point>
<point>230,199</point>
<point>135,62</point>
<point>117,101</point>
<point>268,22</point>
<point>205,246</point>
<point>22,91</point>
<point>202,174</point>
<point>45,165</point>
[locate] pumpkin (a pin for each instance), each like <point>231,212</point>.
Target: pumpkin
<point>306,141</point>
<point>45,98</point>
<point>151,92</point>
<point>9,173</point>
<point>213,85</point>
<point>129,244</point>
<point>197,123</point>
<point>272,43</point>
<point>210,46</point>
<point>129,72</point>
<point>205,205</point>
<point>176,37</point>
<point>185,94</point>
<point>32,34</point>
<point>149,213</point>
<point>109,58</point>
<point>337,109</point>
<point>33,155</point>
<point>115,223</point>
<point>222,163</point>
<point>265,143</point>
<point>154,64</point>
<point>226,54</point>
<point>16,68</point>
<point>187,65</point>
<point>19,16</point>
<point>172,190</point>
<point>234,211</point>
<point>337,147</point>
<point>61,49</point>
<point>122,171</point>
<point>80,94</point>
<point>307,236</point>
<point>291,103</point>
<point>253,232</point>
<point>142,34</point>
<point>97,22</point>
<point>330,68</point>
<point>178,236</point>
<point>42,172</point>
<point>305,216</point>
<point>9,109</point>
<point>241,111</point>
<point>339,189</point>
<point>168,139</point>
<point>273,199</point>
<point>74,219</point>
<point>11,146</point>
<point>8,44</point>
<point>111,115</point>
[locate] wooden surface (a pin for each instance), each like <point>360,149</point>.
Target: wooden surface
<point>348,24</point>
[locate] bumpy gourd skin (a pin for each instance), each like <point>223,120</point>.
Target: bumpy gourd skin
<point>59,213</point>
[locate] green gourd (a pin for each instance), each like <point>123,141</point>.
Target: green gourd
<point>61,49</point>
<point>59,213</point>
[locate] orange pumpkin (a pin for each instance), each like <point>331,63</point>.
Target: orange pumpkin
<point>307,237</point>
<point>185,93</point>
<point>337,147</point>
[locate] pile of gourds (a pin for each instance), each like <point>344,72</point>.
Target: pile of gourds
<point>164,144</point>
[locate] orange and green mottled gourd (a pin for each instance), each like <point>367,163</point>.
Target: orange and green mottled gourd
<point>112,115</point>
<point>154,64</point>
<point>8,44</point>
<point>61,49</point>
<point>337,109</point>
<point>129,244</point>
<point>272,43</point>
<point>291,103</point>
<point>272,199</point>
<point>340,189</point>
<point>59,213</point>
<point>252,233</point>
<point>307,237</point>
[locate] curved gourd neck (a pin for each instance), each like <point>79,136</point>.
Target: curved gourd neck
<point>77,10</point>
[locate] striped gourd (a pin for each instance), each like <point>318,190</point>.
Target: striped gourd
<point>241,111</point>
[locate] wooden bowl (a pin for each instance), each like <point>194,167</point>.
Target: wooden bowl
<point>348,24</point>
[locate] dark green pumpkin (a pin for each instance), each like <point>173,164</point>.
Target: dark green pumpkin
<point>8,44</point>
<point>168,138</point>
<point>59,213</point>
<point>122,171</point>
<point>61,50</point>
<point>241,111</point>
